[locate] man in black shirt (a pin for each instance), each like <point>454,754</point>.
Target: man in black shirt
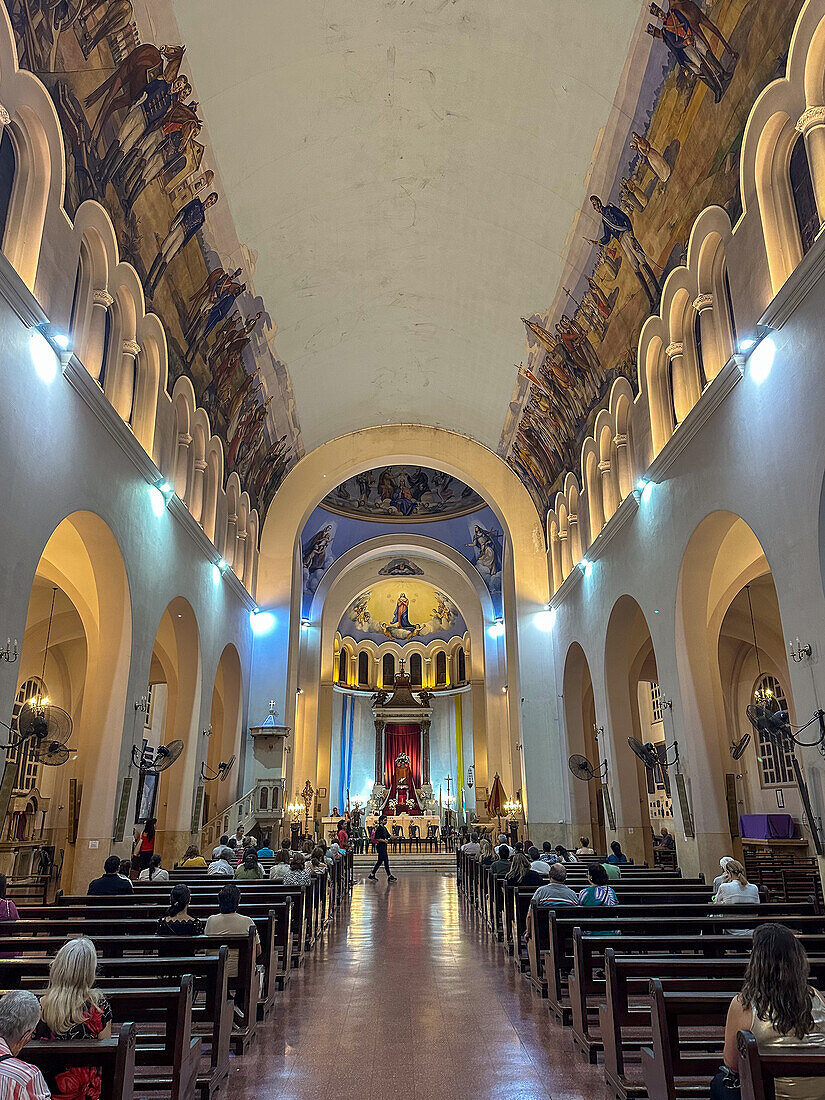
<point>380,839</point>
<point>110,881</point>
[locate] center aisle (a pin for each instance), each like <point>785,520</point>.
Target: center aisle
<point>406,1000</point>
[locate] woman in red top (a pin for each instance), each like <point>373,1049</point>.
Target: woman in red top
<point>343,835</point>
<point>147,844</point>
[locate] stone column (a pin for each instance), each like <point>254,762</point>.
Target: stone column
<point>812,127</point>
<point>714,354</point>
<point>609,494</point>
<point>231,538</point>
<point>427,675</point>
<point>425,751</point>
<point>574,538</point>
<point>240,553</point>
<point>94,351</point>
<point>5,118</point>
<point>379,747</point>
<point>623,470</point>
<point>566,559</point>
<point>123,392</point>
<point>196,496</point>
<point>684,397</point>
<point>184,442</point>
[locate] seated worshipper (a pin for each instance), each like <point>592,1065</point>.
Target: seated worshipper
<point>598,892</point>
<point>502,839</point>
<point>110,882</point>
<point>335,852</point>
<point>281,865</point>
<point>611,870</point>
<point>250,868</point>
<point>193,858</point>
<point>779,1006</point>
<point>19,1017</point>
<point>501,865</point>
<point>222,866</point>
<point>538,865</point>
<point>556,892</point>
<point>154,872</point>
<point>485,854</point>
<point>297,875</point>
<point>229,922</point>
<point>472,847</point>
<point>306,849</point>
<point>616,853</point>
<point>734,889</point>
<point>584,848</point>
<point>177,920</point>
<point>521,874</point>
<point>265,852</point>
<point>124,869</point>
<point>564,854</point>
<point>71,1008</point>
<point>222,843</point>
<point>8,910</point>
<point>318,865</point>
<point>667,841</point>
<point>548,856</point>
<point>723,863</point>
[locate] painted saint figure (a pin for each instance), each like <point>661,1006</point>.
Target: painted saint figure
<point>401,617</point>
<point>315,555</point>
<point>488,552</point>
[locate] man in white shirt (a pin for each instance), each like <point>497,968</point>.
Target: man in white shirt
<point>472,847</point>
<point>536,863</point>
<point>502,842</point>
<point>220,867</point>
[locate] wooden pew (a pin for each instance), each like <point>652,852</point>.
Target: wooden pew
<point>759,1069</point>
<point>114,1057</point>
<point>676,1066</point>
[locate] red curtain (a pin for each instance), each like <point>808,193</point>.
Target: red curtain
<point>399,738</point>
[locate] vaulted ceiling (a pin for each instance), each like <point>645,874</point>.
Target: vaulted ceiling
<point>408,172</point>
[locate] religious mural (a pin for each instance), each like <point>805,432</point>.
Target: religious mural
<point>402,611</point>
<point>135,142</point>
<point>398,492</point>
<point>671,149</point>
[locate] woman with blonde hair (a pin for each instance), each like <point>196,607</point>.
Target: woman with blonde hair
<point>734,889</point>
<point>521,874</point>
<point>71,1008</point>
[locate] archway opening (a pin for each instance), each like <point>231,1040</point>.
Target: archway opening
<point>586,797</point>
<point>224,737</point>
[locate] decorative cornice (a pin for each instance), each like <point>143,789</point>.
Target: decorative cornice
<point>102,298</point>
<point>623,514</point>
<point>674,349</point>
<point>712,397</point>
<point>566,587</point>
<point>131,347</point>
<point>702,302</point>
<point>814,116</point>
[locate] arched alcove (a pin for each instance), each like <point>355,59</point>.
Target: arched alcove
<point>224,732</point>
<point>586,801</point>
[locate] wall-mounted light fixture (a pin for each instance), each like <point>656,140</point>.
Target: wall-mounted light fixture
<point>9,652</point>
<point>799,650</point>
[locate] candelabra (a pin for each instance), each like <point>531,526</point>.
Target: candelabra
<point>797,650</point>
<point>307,794</point>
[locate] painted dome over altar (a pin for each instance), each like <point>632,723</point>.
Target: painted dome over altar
<point>402,493</point>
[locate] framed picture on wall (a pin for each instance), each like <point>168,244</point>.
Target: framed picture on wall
<point>780,799</point>
<point>144,804</point>
<point>322,792</point>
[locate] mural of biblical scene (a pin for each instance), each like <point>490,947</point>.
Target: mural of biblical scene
<point>399,492</point>
<point>671,149</point>
<point>135,142</point>
<point>402,611</point>
<point>477,535</point>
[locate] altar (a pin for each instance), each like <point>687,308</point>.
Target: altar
<point>422,821</point>
<point>402,751</point>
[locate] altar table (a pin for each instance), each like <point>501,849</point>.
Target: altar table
<point>766,826</point>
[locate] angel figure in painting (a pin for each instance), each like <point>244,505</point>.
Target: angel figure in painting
<point>488,551</point>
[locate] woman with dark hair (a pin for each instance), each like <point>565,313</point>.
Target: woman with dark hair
<point>781,1009</point>
<point>193,858</point>
<point>616,853</point>
<point>177,920</point>
<point>146,844</point>
<point>598,892</point>
<point>297,875</point>
<point>521,874</point>
<point>250,868</point>
<point>154,872</point>
<point>564,854</point>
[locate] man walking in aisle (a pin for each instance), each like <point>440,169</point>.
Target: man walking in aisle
<point>380,839</point>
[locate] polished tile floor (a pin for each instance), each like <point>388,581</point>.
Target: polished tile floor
<point>408,1000</point>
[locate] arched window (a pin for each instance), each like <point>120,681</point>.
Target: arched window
<point>441,669</point>
<point>388,670</point>
<point>775,762</point>
<point>415,670</point>
<point>28,769</point>
<point>697,343</point>
<point>363,670</point>
<point>8,165</point>
<point>462,666</point>
<point>342,666</point>
<point>802,189</point>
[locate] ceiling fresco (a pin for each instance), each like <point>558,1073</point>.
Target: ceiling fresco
<point>393,493</point>
<point>400,610</point>
<point>670,149</point>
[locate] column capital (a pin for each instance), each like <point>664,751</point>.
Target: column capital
<point>233,518</point>
<point>5,117</point>
<point>674,349</point>
<point>620,439</point>
<point>240,536</point>
<point>604,467</point>
<point>810,119</point>
<point>102,298</point>
<point>562,535</point>
<point>572,519</point>
<point>702,302</point>
<point>200,464</point>
<point>131,347</point>
<point>184,439</point>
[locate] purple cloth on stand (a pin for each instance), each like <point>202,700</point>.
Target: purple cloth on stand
<point>766,826</point>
